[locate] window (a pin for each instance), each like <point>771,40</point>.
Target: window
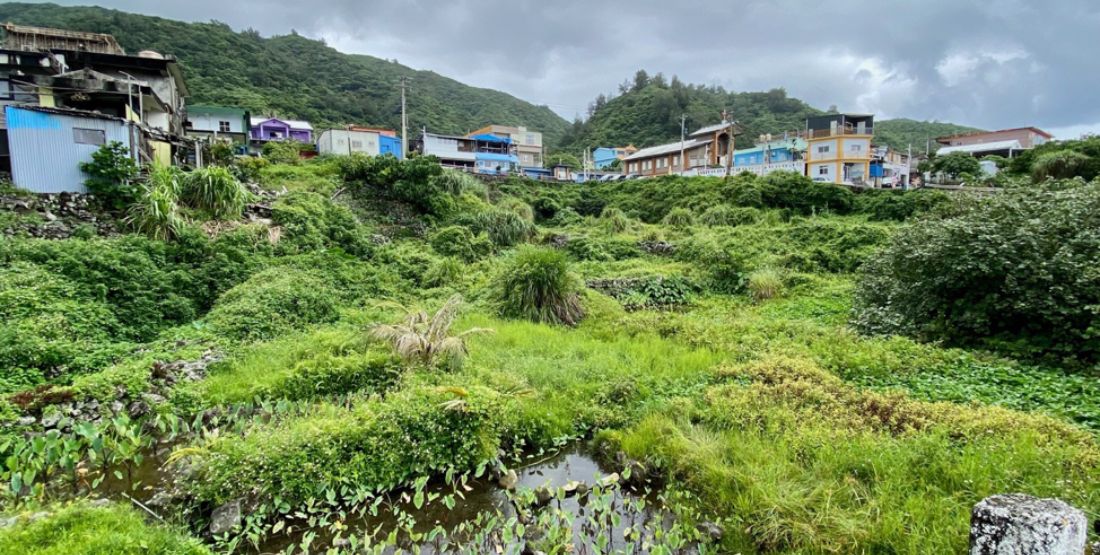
<point>357,144</point>
<point>223,127</point>
<point>823,170</point>
<point>96,137</point>
<point>823,149</point>
<point>6,90</point>
<point>530,139</point>
<point>661,162</point>
<point>855,148</point>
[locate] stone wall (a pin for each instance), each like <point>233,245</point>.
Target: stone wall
<point>53,216</point>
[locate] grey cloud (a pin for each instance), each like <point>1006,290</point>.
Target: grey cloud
<point>991,64</point>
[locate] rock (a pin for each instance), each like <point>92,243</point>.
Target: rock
<point>609,480</point>
<point>152,399</point>
<point>50,420</point>
<point>340,543</point>
<point>38,516</point>
<point>8,522</point>
<point>509,480</point>
<point>226,517</point>
<point>575,488</point>
<point>117,407</point>
<point>543,495</point>
<point>712,530</point>
<point>49,216</point>
<point>639,474</point>
<point>1018,524</point>
<point>101,502</point>
<point>138,409</point>
<point>27,421</point>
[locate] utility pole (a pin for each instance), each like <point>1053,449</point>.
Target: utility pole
<point>404,120</point>
<point>683,133</point>
<point>726,119</point>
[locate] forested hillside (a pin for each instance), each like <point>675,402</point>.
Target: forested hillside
<point>901,133</point>
<point>648,108</point>
<point>297,77</point>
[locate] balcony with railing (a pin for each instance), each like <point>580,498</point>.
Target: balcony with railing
<point>839,132</point>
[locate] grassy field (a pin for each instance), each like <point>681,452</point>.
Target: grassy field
<point>707,342</point>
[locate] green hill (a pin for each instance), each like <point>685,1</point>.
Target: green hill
<point>900,133</point>
<point>297,77</point>
<point>648,110</point>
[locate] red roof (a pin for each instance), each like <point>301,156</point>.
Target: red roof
<point>1035,130</point>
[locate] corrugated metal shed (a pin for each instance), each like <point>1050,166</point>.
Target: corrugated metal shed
<point>47,145</point>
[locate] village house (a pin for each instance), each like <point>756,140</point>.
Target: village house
<point>85,85</point>
<point>708,147</point>
<point>214,123</point>
<point>485,153</point>
<point>359,140</point>
<point>889,168</point>
<point>264,129</point>
<point>528,143</point>
<point>838,148</point>
<point>771,155</point>
<point>1006,142</point>
<point>604,157</point>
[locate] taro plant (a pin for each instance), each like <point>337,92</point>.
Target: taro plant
<point>536,284</point>
<point>426,339</point>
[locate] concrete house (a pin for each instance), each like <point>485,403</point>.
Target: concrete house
<point>838,148</point>
<point>603,157</point>
<point>359,140</point>
<point>1005,142</point>
<point>528,143</point>
<point>210,122</point>
<point>264,129</point>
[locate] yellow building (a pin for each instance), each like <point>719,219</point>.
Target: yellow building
<point>838,148</point>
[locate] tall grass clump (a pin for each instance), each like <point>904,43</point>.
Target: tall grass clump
<point>504,227</point>
<point>725,215</point>
<point>765,284</point>
<point>679,217</point>
<point>216,191</point>
<point>614,220</point>
<point>521,209</point>
<point>457,182</point>
<point>426,339</point>
<point>155,212</point>
<point>536,284</point>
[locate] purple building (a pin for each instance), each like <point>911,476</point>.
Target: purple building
<point>274,129</point>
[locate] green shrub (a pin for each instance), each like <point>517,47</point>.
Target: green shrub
<point>445,272</point>
<point>545,208</point>
<point>273,302</point>
<point>679,217</point>
<point>899,206</point>
<point>802,195</point>
<point>419,182</point>
<point>725,215</point>
<point>318,177</point>
<point>1060,164</point>
<point>283,152</point>
<point>312,221</point>
<point>765,284</point>
<point>1016,272</point>
<point>722,263</point>
<point>112,175</point>
<point>614,220</point>
<point>522,209</point>
<point>216,191</point>
<point>536,284</point>
<point>249,168</point>
<point>460,242</point>
<point>328,374</point>
<point>83,528</point>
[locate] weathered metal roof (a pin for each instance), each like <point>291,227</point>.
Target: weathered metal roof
<point>982,147</point>
<point>293,123</point>
<point>667,149</point>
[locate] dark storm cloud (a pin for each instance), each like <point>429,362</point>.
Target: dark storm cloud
<point>990,64</point>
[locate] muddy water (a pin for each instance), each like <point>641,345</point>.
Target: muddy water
<point>574,463</point>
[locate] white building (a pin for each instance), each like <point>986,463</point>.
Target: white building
<point>342,141</point>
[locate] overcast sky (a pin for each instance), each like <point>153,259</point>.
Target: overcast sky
<point>990,64</point>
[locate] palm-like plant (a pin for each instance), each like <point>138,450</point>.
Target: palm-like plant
<point>156,212</point>
<point>426,339</point>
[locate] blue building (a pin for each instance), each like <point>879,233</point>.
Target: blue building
<point>390,145</point>
<point>604,156</point>
<point>495,155</point>
<point>785,150</point>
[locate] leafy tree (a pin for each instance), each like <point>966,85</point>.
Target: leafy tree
<point>283,152</point>
<point>112,175</point>
<point>1015,272</point>
<point>957,164</point>
<point>1060,164</point>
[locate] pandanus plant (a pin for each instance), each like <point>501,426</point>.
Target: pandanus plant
<point>426,339</point>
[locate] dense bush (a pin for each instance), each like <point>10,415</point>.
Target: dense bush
<point>722,262</point>
<point>803,195</point>
<point>1018,272</point>
<point>504,227</point>
<point>723,214</point>
<point>614,220</point>
<point>460,242</point>
<point>1057,157</point>
<point>273,302</point>
<point>84,528</point>
<point>419,181</point>
<point>283,152</point>
<point>679,217</point>
<point>1060,164</point>
<point>536,284</point>
<point>899,206</point>
<point>312,221</point>
<point>956,164</point>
